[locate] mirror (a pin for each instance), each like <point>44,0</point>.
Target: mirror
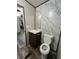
<point>21,31</point>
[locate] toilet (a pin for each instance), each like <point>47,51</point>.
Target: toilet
<point>45,47</point>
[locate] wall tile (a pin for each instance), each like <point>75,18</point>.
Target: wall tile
<point>50,21</point>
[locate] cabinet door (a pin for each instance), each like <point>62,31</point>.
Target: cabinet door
<point>32,39</point>
<point>38,38</point>
<point>35,39</point>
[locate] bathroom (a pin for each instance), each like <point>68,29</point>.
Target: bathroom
<point>38,25</point>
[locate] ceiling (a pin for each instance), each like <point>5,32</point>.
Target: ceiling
<point>36,3</point>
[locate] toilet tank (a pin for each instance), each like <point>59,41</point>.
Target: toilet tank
<point>48,38</point>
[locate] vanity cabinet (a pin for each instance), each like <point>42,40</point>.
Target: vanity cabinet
<point>35,39</point>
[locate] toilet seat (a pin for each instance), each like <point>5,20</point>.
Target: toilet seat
<point>44,48</point>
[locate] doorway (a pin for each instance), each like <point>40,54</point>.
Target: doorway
<point>21,30</point>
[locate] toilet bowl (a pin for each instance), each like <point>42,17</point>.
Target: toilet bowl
<point>45,47</point>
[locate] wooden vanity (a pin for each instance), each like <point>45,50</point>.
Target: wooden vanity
<point>35,38</point>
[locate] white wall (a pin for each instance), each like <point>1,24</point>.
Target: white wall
<point>29,13</point>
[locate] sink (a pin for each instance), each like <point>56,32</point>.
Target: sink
<point>35,31</point>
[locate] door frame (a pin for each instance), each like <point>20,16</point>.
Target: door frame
<point>18,5</point>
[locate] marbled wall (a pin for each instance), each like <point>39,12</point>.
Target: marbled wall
<point>48,19</point>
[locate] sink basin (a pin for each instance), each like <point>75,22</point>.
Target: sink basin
<point>34,31</point>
